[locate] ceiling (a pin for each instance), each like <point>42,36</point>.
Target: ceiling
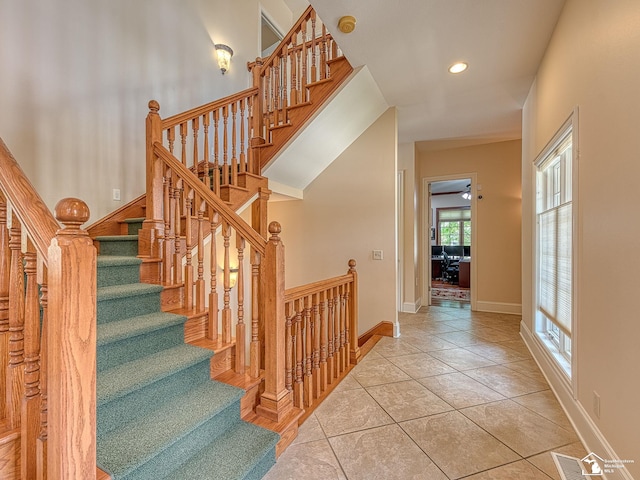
<point>408,47</point>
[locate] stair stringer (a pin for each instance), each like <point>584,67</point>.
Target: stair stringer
<point>346,114</point>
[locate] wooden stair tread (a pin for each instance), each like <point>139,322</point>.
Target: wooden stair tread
<point>215,345</point>
<point>240,380</point>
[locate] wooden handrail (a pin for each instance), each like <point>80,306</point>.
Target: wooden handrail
<point>228,215</point>
<point>302,291</point>
<point>196,112</point>
<point>26,203</point>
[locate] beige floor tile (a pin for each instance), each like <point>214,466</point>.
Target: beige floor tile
<point>349,411</point>
<point>506,381</point>
<point>527,367</point>
<point>371,356</point>
<point>518,345</point>
<point>408,400</point>
<point>311,461</point>
<point>429,343</point>
<point>378,372</point>
<point>383,453</point>
<point>462,339</point>
<point>392,347</point>
<point>420,365</point>
<point>493,334</point>
<point>519,428</point>
<point>461,359</point>
<point>309,431</point>
<point>545,404</point>
<point>545,462</point>
<point>521,470</point>
<point>348,383</point>
<point>459,390</point>
<point>496,353</point>
<point>457,445</point>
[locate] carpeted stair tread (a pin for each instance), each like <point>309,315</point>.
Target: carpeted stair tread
<point>126,378</point>
<point>116,238</point>
<point>133,327</point>
<point>117,260</point>
<point>243,452</point>
<point>134,220</point>
<point>127,448</point>
<point>127,290</point>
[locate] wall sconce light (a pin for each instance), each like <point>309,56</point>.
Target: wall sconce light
<point>233,277</point>
<point>224,54</point>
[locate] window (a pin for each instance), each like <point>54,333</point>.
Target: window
<point>555,245</point>
<point>454,226</point>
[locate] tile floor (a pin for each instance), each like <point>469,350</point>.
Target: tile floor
<point>456,396</point>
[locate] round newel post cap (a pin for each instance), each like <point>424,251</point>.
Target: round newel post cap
<point>72,212</point>
<point>352,265</point>
<point>274,229</point>
<point>154,106</point>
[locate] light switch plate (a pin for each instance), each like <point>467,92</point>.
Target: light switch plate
<point>377,254</point>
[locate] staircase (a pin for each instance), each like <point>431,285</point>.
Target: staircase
<point>153,386</point>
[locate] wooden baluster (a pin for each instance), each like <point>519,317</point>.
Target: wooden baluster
<point>171,138</point>
<point>298,389</point>
<point>205,124</point>
<point>183,139</point>
<point>195,126</point>
<point>41,452</point>
<point>177,255</point>
<point>314,68</point>
<point>225,146</point>
<point>216,154</point>
<point>285,92</point>
<point>275,401</point>
<point>254,353</point>
<point>212,328</point>
<point>344,352</point>
<point>337,352</point>
<point>169,236</point>
<point>240,326</point>
<point>15,371</point>
<point>243,158</point>
<point>72,341</point>
<point>226,310</point>
<point>323,53</point>
<point>303,55</point>
<point>330,326</point>
<point>5,262</point>
<point>354,354</point>
<point>234,140</point>
<point>30,412</point>
<point>308,352</point>
<point>347,322</point>
<point>294,72</point>
<point>289,342</point>
<point>277,107</point>
<point>200,284</point>
<point>315,321</point>
<point>323,340</point>
<point>334,49</point>
<point>188,267</point>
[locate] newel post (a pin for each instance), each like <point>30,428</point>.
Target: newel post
<point>152,227</point>
<point>71,347</point>
<point>354,355</point>
<point>276,400</point>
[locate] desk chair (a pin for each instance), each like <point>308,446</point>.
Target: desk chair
<point>450,269</point>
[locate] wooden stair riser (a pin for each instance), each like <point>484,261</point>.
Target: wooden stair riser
<point>10,455</point>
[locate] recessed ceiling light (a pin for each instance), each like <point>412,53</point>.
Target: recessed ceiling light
<point>458,67</point>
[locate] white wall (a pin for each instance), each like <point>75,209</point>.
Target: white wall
<point>592,63</point>
<point>348,211</point>
<point>77,77</point>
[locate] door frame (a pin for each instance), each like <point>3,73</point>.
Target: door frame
<point>425,243</point>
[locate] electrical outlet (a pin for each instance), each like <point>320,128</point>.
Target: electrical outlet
<point>116,194</point>
<point>377,254</point>
<point>596,404</point>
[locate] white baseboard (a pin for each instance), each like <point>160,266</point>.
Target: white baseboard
<point>589,434</point>
<point>498,307</point>
<point>412,307</point>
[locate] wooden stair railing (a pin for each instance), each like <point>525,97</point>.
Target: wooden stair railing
<point>47,334</point>
<point>294,81</point>
<point>321,335</point>
<point>185,195</point>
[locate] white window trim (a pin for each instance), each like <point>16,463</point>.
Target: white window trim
<point>540,336</point>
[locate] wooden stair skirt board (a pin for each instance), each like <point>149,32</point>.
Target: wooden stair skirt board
<point>384,329</point>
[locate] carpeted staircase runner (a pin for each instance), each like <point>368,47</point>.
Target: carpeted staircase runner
<point>159,414</point>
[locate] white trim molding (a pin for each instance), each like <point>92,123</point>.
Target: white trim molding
<point>499,307</point>
<point>412,307</point>
<point>591,437</point>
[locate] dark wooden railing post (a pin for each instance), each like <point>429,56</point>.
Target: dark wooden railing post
<point>353,315</point>
<point>5,262</point>
<point>276,400</point>
<point>153,226</point>
<point>71,355</point>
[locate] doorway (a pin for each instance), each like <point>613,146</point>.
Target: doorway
<point>449,241</point>
<point>270,36</point>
